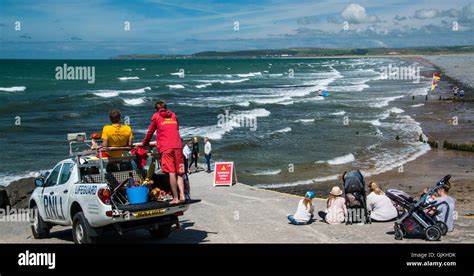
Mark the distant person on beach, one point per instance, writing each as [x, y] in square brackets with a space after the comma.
[304, 212]
[116, 134]
[455, 92]
[207, 153]
[380, 206]
[445, 206]
[187, 155]
[461, 94]
[168, 142]
[336, 210]
[194, 154]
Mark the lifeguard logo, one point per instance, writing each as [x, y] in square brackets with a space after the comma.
[169, 121]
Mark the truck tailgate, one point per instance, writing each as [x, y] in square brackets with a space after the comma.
[153, 205]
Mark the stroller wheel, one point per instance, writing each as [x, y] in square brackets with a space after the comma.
[432, 233]
[400, 232]
[443, 227]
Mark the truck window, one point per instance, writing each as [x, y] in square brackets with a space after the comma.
[66, 173]
[53, 176]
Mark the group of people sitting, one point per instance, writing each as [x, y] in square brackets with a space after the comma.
[379, 207]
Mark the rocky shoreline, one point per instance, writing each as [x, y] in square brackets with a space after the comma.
[17, 194]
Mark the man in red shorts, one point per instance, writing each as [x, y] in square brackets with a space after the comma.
[168, 141]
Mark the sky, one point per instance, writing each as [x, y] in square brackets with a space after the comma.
[102, 28]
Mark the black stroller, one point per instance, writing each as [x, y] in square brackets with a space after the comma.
[414, 220]
[356, 199]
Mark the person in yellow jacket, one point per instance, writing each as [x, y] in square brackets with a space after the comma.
[116, 134]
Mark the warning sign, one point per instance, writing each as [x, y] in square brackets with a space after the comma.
[224, 174]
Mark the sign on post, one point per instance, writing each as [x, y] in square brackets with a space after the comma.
[224, 174]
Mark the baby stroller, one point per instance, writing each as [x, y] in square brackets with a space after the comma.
[414, 220]
[356, 199]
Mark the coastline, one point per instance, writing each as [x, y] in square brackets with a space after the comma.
[434, 116]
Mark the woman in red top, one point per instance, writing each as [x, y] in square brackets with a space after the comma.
[168, 142]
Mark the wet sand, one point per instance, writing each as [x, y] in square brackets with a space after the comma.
[435, 114]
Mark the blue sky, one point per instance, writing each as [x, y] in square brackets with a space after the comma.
[95, 28]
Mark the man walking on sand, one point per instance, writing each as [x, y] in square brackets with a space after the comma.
[207, 153]
[168, 142]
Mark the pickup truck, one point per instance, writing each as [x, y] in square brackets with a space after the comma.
[77, 192]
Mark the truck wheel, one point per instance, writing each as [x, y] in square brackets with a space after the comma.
[80, 229]
[39, 227]
[162, 232]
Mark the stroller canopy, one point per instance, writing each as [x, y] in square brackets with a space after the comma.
[353, 182]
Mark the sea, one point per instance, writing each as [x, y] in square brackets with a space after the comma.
[265, 115]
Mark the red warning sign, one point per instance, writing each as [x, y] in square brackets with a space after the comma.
[224, 174]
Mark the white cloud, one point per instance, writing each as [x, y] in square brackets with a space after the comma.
[426, 13]
[355, 13]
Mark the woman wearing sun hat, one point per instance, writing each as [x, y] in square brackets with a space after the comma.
[304, 213]
[336, 207]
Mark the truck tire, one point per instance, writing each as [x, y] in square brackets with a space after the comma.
[162, 232]
[39, 227]
[80, 229]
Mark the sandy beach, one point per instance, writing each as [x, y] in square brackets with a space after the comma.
[434, 116]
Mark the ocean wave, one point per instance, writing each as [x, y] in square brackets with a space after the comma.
[133, 102]
[216, 132]
[418, 105]
[177, 74]
[385, 101]
[128, 78]
[387, 113]
[258, 112]
[322, 84]
[223, 81]
[266, 172]
[304, 121]
[252, 74]
[115, 93]
[13, 89]
[128, 70]
[375, 122]
[175, 86]
[272, 100]
[349, 88]
[396, 110]
[283, 130]
[6, 179]
[107, 94]
[203, 85]
[339, 113]
[387, 162]
[348, 158]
